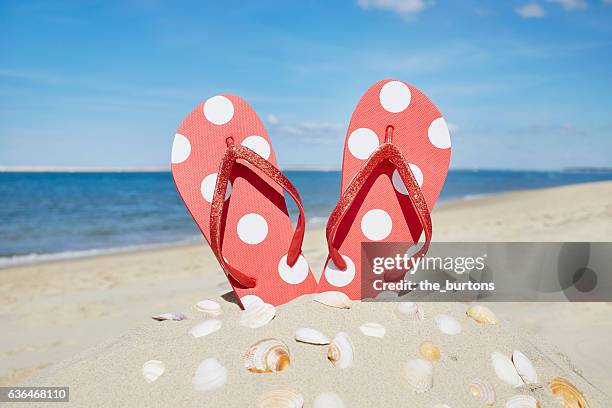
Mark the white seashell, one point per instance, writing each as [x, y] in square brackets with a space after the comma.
[340, 351]
[334, 299]
[311, 336]
[410, 311]
[447, 324]
[169, 316]
[524, 368]
[283, 398]
[257, 315]
[210, 307]
[209, 375]
[328, 400]
[419, 374]
[205, 328]
[522, 401]
[482, 314]
[373, 329]
[152, 369]
[267, 356]
[482, 391]
[505, 370]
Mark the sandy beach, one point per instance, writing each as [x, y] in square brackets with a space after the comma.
[86, 323]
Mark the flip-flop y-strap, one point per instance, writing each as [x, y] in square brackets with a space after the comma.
[232, 154]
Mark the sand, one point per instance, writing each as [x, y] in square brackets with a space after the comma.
[53, 311]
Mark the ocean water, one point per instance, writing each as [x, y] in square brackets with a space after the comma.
[59, 215]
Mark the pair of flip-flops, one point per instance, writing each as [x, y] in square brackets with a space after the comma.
[396, 156]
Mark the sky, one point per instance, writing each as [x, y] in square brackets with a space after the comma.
[523, 84]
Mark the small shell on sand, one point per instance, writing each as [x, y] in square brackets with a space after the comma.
[410, 311]
[419, 375]
[334, 299]
[505, 370]
[205, 328]
[311, 336]
[152, 370]
[567, 393]
[524, 367]
[429, 351]
[340, 351]
[267, 356]
[328, 400]
[522, 401]
[283, 398]
[169, 316]
[482, 391]
[447, 324]
[257, 315]
[210, 307]
[209, 375]
[373, 329]
[482, 314]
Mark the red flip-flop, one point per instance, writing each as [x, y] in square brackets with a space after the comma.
[225, 170]
[396, 157]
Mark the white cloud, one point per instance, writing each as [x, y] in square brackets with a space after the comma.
[531, 10]
[405, 8]
[570, 5]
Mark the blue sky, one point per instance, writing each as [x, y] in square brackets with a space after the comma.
[523, 84]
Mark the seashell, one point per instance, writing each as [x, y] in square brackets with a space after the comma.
[419, 375]
[328, 400]
[524, 367]
[311, 336]
[152, 370]
[505, 370]
[257, 315]
[334, 299]
[340, 351]
[522, 401]
[410, 311]
[267, 356]
[210, 307]
[209, 375]
[482, 315]
[482, 391]
[169, 316]
[373, 329]
[447, 324]
[283, 398]
[205, 328]
[567, 393]
[429, 351]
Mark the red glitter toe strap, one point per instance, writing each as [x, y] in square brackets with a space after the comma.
[232, 154]
[386, 151]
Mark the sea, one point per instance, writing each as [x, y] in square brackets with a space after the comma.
[48, 216]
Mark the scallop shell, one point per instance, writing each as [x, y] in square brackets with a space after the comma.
[328, 400]
[169, 316]
[340, 351]
[567, 393]
[419, 375]
[283, 398]
[373, 329]
[311, 336]
[152, 370]
[522, 401]
[505, 370]
[410, 311]
[482, 314]
[267, 356]
[482, 391]
[257, 315]
[429, 351]
[209, 375]
[334, 299]
[210, 307]
[447, 324]
[205, 328]
[524, 367]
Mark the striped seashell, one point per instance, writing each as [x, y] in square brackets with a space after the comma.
[482, 391]
[210, 307]
[283, 398]
[410, 311]
[567, 393]
[257, 315]
[522, 401]
[267, 356]
[340, 351]
[419, 375]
